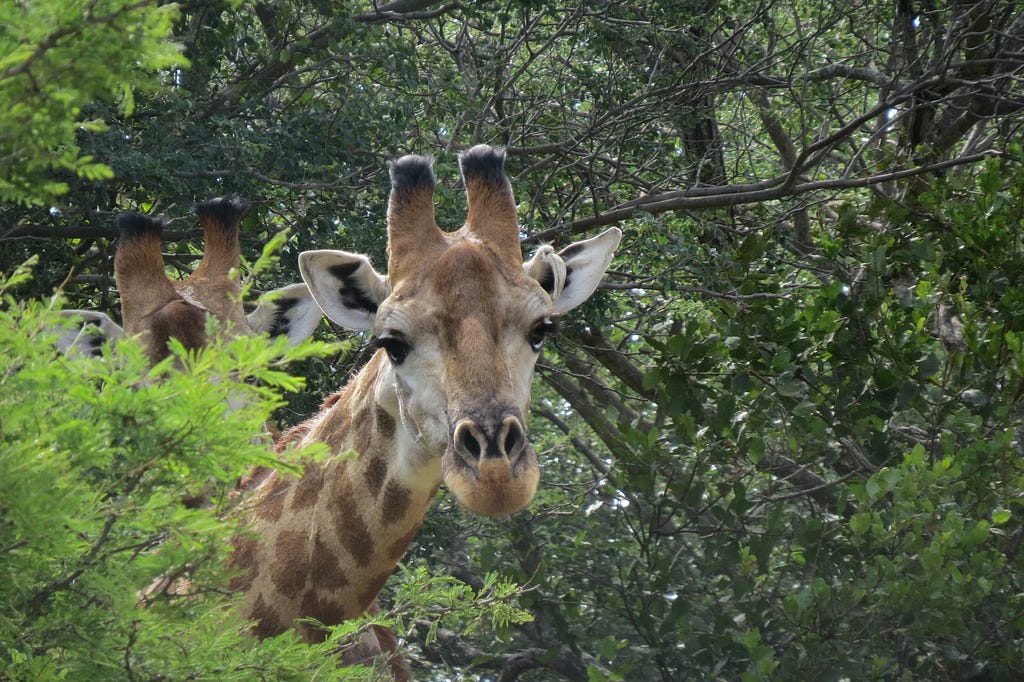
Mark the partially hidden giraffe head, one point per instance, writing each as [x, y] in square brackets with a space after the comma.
[156, 308]
[461, 320]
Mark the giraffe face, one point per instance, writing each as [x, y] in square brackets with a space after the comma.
[461, 320]
[462, 343]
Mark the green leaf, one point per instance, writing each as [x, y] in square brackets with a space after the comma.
[977, 534]
[788, 386]
[860, 522]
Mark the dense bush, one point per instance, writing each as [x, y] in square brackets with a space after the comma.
[98, 455]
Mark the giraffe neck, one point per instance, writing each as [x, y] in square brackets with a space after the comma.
[326, 542]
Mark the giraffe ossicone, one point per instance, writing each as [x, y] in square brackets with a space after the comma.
[459, 320]
[155, 308]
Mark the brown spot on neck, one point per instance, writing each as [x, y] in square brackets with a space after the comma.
[322, 608]
[373, 588]
[353, 533]
[335, 430]
[385, 424]
[395, 504]
[307, 490]
[397, 550]
[365, 427]
[267, 622]
[325, 569]
[375, 473]
[289, 570]
[243, 557]
[271, 505]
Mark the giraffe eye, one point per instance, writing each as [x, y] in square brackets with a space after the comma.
[396, 347]
[541, 330]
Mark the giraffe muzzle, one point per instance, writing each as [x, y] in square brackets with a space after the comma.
[490, 467]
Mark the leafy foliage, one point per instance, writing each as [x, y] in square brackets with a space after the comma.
[782, 443]
[55, 59]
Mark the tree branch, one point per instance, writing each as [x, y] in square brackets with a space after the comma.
[596, 345]
[404, 10]
[595, 418]
[453, 648]
[85, 232]
[806, 482]
[578, 443]
[736, 195]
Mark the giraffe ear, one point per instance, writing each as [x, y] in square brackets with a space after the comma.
[290, 311]
[571, 275]
[87, 332]
[345, 286]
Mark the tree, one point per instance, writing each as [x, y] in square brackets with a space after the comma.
[784, 441]
[58, 57]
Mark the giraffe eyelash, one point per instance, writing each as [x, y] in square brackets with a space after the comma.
[394, 345]
[543, 329]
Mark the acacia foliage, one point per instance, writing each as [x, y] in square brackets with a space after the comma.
[783, 442]
[55, 59]
[98, 455]
[107, 573]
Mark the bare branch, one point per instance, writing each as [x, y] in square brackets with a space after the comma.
[85, 232]
[401, 10]
[737, 195]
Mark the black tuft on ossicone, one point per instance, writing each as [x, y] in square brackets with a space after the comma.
[133, 225]
[226, 212]
[411, 173]
[484, 163]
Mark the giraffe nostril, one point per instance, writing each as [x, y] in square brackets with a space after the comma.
[510, 441]
[468, 440]
[514, 441]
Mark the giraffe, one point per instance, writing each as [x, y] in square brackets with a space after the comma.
[459, 322]
[155, 308]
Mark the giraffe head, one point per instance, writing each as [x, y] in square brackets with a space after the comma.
[158, 309]
[461, 320]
